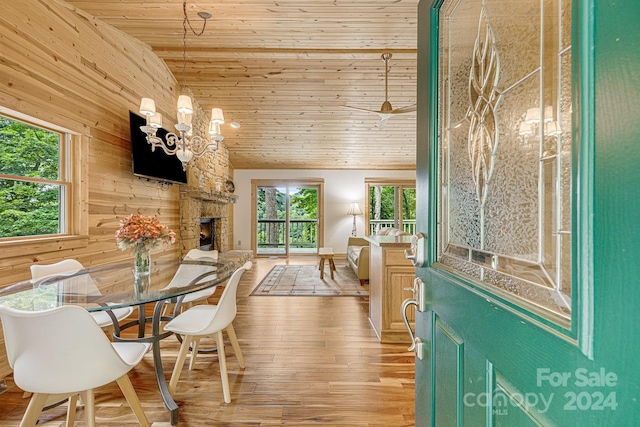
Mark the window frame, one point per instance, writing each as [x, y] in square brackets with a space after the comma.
[74, 178]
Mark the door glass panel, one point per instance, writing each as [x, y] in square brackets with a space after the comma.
[303, 220]
[272, 213]
[504, 149]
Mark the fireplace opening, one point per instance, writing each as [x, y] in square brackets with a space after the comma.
[209, 231]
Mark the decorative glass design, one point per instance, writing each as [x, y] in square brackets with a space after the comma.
[483, 96]
[504, 149]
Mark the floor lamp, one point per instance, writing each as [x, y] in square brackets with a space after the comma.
[354, 209]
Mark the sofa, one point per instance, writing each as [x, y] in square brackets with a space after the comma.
[358, 252]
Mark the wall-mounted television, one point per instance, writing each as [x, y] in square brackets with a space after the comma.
[156, 164]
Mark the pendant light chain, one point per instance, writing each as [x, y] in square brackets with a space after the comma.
[185, 21]
[184, 46]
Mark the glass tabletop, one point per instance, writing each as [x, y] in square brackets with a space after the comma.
[112, 286]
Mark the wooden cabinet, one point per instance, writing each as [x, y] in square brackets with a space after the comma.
[389, 274]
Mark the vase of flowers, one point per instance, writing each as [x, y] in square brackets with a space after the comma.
[140, 234]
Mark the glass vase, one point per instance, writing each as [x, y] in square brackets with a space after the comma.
[141, 270]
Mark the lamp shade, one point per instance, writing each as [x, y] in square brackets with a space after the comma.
[184, 118]
[354, 209]
[525, 129]
[214, 128]
[147, 106]
[184, 104]
[216, 116]
[533, 116]
[156, 120]
[552, 128]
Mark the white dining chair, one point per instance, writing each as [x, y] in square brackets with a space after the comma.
[209, 321]
[186, 273]
[82, 284]
[64, 352]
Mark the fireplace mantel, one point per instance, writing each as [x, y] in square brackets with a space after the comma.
[208, 195]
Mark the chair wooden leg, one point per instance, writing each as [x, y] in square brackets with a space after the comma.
[34, 409]
[194, 352]
[177, 369]
[235, 344]
[130, 394]
[71, 410]
[89, 408]
[223, 367]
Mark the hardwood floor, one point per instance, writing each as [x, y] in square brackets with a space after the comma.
[309, 361]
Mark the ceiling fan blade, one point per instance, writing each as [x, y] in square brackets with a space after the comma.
[360, 109]
[402, 110]
[384, 118]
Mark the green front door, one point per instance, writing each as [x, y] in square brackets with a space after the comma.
[528, 194]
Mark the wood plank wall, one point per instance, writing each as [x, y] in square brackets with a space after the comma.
[65, 67]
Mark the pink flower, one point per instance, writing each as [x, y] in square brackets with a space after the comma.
[141, 232]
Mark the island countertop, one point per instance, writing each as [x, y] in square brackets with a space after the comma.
[389, 241]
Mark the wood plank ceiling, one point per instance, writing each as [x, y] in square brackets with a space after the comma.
[284, 69]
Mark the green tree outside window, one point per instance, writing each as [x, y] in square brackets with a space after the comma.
[30, 206]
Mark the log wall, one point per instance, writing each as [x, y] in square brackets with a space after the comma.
[67, 68]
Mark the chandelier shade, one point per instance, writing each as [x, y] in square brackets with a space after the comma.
[156, 121]
[216, 116]
[184, 104]
[147, 107]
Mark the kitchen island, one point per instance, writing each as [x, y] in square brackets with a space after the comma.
[389, 274]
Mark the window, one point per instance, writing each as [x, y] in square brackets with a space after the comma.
[40, 193]
[33, 180]
[391, 204]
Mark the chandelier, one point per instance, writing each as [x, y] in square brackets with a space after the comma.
[184, 145]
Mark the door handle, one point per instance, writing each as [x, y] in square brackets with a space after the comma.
[405, 304]
[415, 253]
[417, 346]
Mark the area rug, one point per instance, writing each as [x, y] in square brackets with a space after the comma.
[304, 280]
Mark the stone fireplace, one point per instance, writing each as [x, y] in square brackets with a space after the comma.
[199, 198]
[210, 208]
[210, 232]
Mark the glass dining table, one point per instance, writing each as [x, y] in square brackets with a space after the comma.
[111, 286]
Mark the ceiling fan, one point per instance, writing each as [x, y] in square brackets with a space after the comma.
[386, 111]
